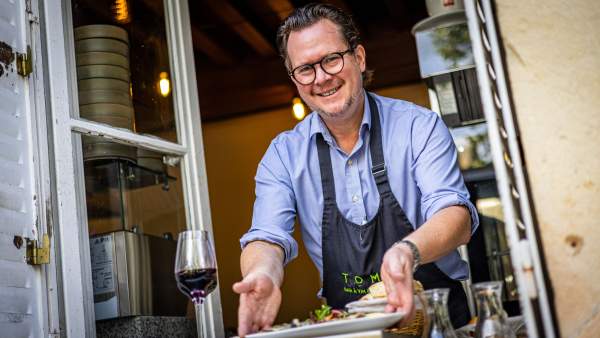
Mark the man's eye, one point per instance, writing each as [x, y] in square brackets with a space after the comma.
[306, 70]
[331, 59]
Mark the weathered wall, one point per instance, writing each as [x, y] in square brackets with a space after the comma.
[233, 148]
[553, 59]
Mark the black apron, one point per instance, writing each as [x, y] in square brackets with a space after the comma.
[352, 254]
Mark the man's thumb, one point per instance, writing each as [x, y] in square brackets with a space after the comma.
[243, 286]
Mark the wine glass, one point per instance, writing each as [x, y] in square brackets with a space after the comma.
[196, 269]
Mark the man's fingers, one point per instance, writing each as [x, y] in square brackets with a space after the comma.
[396, 267]
[244, 286]
[244, 319]
[391, 286]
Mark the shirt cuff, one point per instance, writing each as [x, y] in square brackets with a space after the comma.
[452, 200]
[286, 242]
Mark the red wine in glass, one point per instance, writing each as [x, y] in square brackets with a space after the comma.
[197, 283]
[196, 270]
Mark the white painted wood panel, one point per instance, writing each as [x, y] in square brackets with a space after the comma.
[20, 284]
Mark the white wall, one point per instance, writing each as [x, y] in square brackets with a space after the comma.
[553, 59]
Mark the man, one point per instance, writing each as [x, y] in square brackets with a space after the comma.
[373, 180]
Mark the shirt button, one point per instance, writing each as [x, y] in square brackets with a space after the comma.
[355, 198]
[349, 162]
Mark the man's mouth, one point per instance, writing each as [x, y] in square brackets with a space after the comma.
[329, 92]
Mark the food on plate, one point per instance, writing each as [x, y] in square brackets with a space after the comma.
[321, 315]
[370, 305]
[376, 290]
[376, 300]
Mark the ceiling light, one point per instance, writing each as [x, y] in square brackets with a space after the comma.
[298, 108]
[164, 85]
[121, 10]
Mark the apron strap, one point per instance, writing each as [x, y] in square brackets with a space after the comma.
[326, 172]
[378, 168]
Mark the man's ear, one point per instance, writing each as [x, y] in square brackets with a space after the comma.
[361, 57]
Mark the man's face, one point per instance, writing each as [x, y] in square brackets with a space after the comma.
[332, 96]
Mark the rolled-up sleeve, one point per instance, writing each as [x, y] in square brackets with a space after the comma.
[436, 169]
[274, 208]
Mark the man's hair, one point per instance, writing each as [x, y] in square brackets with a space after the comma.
[309, 15]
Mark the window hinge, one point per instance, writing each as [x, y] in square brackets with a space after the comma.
[38, 255]
[24, 63]
[524, 253]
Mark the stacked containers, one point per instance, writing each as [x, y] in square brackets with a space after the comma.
[103, 77]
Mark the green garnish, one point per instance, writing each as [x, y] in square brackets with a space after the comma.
[323, 312]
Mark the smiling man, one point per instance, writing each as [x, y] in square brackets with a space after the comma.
[373, 181]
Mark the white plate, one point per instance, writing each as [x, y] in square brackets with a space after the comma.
[376, 302]
[370, 302]
[381, 321]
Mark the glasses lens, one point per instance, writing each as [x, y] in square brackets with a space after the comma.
[333, 63]
[304, 74]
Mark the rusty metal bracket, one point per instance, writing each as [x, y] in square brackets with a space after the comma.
[38, 255]
[24, 63]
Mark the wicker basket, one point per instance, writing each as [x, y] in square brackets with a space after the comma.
[415, 328]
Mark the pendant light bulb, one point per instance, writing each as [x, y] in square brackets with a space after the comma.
[298, 109]
[164, 85]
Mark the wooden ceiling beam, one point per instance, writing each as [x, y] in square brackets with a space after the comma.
[251, 88]
[203, 43]
[242, 27]
[281, 8]
[243, 101]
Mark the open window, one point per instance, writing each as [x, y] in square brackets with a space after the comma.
[128, 154]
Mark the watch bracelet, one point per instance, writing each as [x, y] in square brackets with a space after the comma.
[415, 252]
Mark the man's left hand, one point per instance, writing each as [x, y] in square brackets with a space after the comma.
[397, 275]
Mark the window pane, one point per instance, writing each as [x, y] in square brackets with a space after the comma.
[145, 196]
[135, 212]
[122, 58]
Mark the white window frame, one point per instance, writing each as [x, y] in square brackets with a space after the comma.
[510, 172]
[66, 128]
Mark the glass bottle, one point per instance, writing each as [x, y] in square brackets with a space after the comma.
[491, 317]
[438, 321]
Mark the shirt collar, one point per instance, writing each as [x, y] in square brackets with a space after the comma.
[318, 126]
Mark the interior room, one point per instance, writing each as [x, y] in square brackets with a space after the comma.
[246, 99]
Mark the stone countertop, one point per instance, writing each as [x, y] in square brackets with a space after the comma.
[146, 327]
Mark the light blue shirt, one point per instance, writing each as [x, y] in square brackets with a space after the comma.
[421, 165]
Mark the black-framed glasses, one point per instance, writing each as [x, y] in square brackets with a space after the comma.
[331, 64]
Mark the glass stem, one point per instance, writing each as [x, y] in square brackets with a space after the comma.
[199, 307]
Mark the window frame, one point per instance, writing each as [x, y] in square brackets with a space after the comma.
[66, 128]
[525, 251]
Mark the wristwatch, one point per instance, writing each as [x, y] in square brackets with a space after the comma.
[415, 252]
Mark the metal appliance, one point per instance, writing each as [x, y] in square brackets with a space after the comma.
[447, 65]
[133, 275]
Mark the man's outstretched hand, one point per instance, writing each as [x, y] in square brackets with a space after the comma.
[397, 275]
[260, 298]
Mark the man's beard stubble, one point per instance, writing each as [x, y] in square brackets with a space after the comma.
[342, 113]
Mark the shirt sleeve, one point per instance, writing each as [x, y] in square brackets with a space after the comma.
[435, 167]
[274, 207]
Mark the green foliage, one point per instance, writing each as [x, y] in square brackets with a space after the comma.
[452, 42]
[323, 312]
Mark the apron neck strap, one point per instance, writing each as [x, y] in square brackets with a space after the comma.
[326, 171]
[377, 161]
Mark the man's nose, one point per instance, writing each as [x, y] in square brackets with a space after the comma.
[320, 74]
